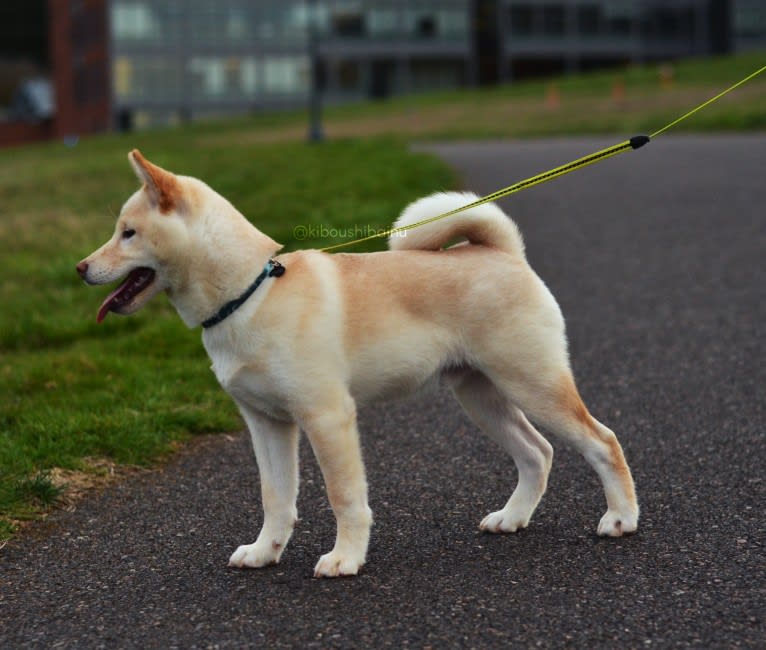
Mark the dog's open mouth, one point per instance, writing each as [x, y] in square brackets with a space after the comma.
[136, 282]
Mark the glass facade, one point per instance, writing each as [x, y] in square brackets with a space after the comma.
[749, 24]
[396, 20]
[186, 57]
[546, 36]
[206, 22]
[673, 20]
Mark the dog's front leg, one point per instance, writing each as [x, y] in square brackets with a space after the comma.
[276, 450]
[335, 440]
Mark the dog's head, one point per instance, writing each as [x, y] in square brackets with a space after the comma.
[177, 235]
[151, 230]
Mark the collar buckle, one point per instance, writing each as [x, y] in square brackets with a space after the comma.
[277, 270]
[271, 269]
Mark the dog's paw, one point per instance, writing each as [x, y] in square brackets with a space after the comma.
[254, 556]
[616, 524]
[503, 521]
[336, 564]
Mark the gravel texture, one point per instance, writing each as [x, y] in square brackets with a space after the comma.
[657, 259]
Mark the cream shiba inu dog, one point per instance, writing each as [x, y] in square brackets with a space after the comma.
[300, 342]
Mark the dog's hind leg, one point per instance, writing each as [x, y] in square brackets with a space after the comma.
[334, 438]
[276, 450]
[496, 415]
[552, 400]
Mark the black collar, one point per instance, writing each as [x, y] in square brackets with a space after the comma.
[272, 269]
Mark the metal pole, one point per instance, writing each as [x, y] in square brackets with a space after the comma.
[315, 133]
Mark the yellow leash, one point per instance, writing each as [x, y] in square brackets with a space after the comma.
[709, 101]
[634, 143]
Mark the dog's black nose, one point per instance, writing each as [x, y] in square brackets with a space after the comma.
[82, 268]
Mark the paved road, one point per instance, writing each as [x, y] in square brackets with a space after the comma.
[657, 258]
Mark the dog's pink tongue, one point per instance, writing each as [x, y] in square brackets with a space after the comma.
[135, 283]
[106, 306]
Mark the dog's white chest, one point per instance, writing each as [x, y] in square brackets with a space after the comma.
[248, 383]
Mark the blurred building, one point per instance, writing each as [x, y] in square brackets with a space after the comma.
[197, 57]
[54, 69]
[748, 24]
[176, 59]
[537, 37]
[131, 63]
[542, 37]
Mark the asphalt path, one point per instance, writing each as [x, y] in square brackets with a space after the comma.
[658, 260]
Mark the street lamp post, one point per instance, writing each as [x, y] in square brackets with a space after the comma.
[315, 133]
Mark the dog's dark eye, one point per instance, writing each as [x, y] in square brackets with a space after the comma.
[127, 234]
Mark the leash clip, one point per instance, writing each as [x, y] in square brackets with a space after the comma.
[638, 141]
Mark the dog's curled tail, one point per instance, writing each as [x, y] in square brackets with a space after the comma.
[484, 225]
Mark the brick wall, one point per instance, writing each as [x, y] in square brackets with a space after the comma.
[79, 51]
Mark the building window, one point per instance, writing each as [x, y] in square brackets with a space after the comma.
[134, 21]
[553, 20]
[217, 78]
[588, 20]
[149, 78]
[348, 23]
[122, 76]
[208, 76]
[749, 23]
[670, 24]
[421, 22]
[453, 23]
[426, 26]
[285, 75]
[248, 77]
[280, 21]
[237, 27]
[396, 20]
[384, 23]
[522, 20]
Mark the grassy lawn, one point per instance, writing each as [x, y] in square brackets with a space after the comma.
[73, 393]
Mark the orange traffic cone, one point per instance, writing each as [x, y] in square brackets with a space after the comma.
[552, 97]
[618, 91]
[667, 76]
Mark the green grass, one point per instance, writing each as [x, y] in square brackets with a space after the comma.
[130, 389]
[28, 496]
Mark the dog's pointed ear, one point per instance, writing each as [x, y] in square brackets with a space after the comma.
[163, 188]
